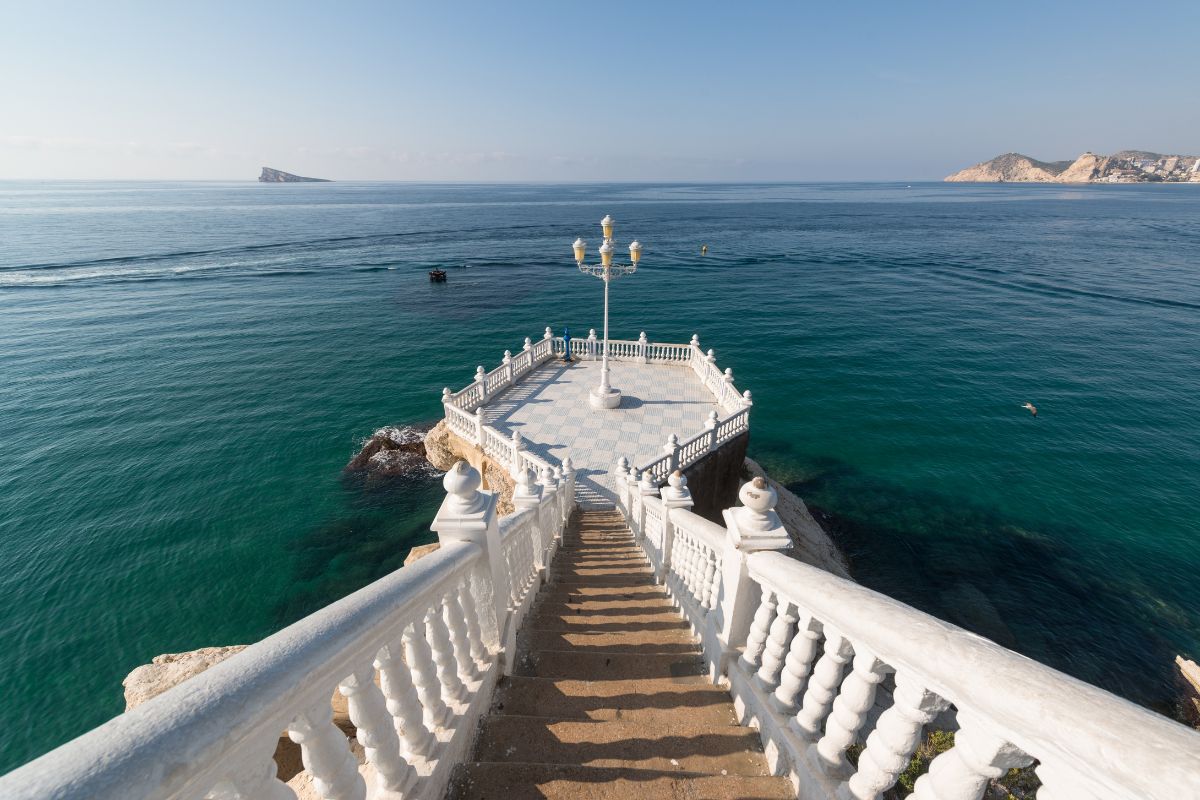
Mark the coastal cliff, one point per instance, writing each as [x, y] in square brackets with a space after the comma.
[1127, 166]
[270, 175]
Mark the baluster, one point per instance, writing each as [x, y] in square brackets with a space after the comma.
[326, 754]
[963, 771]
[710, 572]
[756, 640]
[479, 652]
[891, 745]
[849, 713]
[376, 731]
[776, 648]
[443, 655]
[424, 675]
[714, 586]
[822, 686]
[456, 623]
[403, 703]
[797, 665]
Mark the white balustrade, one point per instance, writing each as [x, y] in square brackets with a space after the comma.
[804, 653]
[416, 654]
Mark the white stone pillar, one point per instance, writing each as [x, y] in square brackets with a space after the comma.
[481, 379]
[746, 401]
[447, 395]
[569, 479]
[528, 344]
[508, 367]
[646, 488]
[675, 496]
[710, 425]
[619, 485]
[468, 514]
[518, 446]
[591, 346]
[671, 448]
[751, 527]
[526, 493]
[727, 389]
[642, 342]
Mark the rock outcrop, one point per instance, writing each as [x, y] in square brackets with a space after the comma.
[444, 448]
[270, 175]
[171, 669]
[1127, 166]
[393, 452]
[1011, 167]
[810, 543]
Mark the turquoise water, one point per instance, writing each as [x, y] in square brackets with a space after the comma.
[187, 368]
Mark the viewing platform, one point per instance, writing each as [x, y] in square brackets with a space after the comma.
[676, 407]
[604, 641]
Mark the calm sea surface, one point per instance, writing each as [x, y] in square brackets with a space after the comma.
[186, 368]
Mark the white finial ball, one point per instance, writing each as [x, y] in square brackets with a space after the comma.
[462, 480]
[757, 496]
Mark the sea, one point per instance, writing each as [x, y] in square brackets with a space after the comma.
[187, 368]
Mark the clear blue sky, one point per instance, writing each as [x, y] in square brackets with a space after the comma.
[587, 91]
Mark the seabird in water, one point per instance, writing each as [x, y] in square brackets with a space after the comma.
[1032, 408]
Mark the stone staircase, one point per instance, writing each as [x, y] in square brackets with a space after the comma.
[609, 697]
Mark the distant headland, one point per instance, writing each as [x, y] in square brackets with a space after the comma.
[1127, 166]
[270, 175]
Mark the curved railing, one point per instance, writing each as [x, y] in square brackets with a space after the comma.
[843, 682]
[416, 654]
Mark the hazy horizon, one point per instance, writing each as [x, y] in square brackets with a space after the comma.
[542, 93]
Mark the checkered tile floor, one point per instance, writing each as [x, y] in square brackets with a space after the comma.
[550, 408]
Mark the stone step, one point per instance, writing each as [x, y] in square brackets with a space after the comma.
[644, 617]
[667, 745]
[692, 698]
[589, 640]
[580, 666]
[508, 781]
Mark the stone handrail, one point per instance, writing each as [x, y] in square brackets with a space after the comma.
[819, 664]
[416, 653]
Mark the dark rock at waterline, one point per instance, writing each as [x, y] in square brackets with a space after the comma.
[393, 452]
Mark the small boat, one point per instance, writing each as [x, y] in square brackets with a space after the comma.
[437, 275]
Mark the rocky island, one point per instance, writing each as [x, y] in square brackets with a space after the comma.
[270, 175]
[1127, 166]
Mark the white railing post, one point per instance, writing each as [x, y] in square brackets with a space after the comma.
[468, 514]
[481, 379]
[619, 473]
[671, 448]
[646, 488]
[695, 343]
[447, 395]
[508, 367]
[711, 424]
[527, 347]
[727, 388]
[642, 348]
[746, 401]
[751, 527]
[674, 495]
[550, 515]
[518, 446]
[568, 467]
[591, 344]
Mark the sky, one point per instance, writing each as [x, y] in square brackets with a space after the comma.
[571, 91]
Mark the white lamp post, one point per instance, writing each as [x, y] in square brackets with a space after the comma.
[604, 395]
